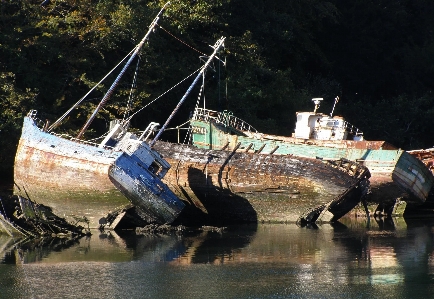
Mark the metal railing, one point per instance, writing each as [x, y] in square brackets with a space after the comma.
[352, 129]
[225, 118]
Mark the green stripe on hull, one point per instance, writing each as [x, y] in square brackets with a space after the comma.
[406, 171]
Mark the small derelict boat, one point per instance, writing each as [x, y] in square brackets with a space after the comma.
[22, 218]
[395, 173]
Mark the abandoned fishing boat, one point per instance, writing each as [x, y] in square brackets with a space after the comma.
[46, 162]
[395, 173]
[78, 178]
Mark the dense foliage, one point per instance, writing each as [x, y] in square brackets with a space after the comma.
[378, 56]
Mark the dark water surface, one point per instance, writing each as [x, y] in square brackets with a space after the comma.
[346, 260]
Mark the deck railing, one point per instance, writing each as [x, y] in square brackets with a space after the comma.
[225, 118]
[352, 129]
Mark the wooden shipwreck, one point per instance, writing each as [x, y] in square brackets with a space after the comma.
[214, 186]
[76, 180]
[235, 187]
[23, 218]
[395, 173]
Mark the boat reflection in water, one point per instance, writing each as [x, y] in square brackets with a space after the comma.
[345, 260]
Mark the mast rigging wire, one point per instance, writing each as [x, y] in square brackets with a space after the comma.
[129, 118]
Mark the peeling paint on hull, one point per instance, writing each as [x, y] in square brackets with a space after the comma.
[72, 177]
[160, 204]
[215, 186]
[65, 175]
[392, 170]
[220, 186]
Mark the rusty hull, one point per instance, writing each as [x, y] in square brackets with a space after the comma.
[229, 187]
[216, 186]
[426, 156]
[394, 173]
[67, 176]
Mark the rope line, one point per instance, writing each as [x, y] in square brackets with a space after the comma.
[191, 47]
[57, 122]
[129, 118]
[181, 41]
[189, 136]
[133, 87]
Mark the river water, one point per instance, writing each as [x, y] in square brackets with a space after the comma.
[350, 259]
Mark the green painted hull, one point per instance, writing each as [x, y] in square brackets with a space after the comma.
[394, 172]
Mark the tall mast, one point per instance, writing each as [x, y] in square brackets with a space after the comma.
[216, 47]
[118, 78]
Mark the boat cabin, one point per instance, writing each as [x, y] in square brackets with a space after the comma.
[319, 126]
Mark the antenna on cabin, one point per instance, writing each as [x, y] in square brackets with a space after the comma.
[336, 101]
[317, 102]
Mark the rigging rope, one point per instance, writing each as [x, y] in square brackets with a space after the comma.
[191, 47]
[133, 86]
[202, 88]
[129, 118]
[126, 117]
[57, 122]
[181, 41]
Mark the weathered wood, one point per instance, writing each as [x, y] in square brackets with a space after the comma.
[390, 168]
[239, 186]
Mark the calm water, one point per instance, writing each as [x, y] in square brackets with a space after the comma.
[348, 260]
